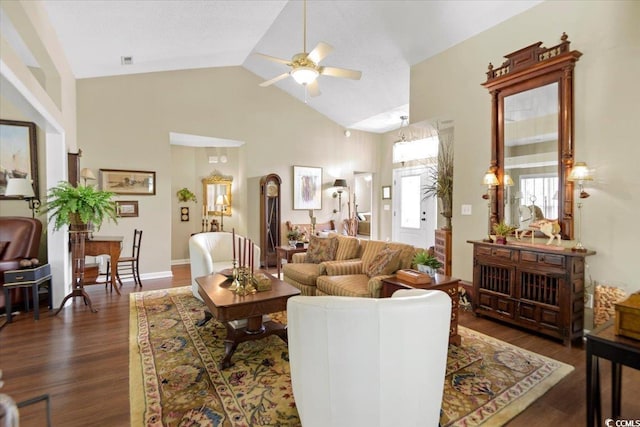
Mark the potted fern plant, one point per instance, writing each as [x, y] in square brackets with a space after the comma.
[81, 207]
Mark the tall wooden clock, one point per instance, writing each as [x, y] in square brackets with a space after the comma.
[269, 219]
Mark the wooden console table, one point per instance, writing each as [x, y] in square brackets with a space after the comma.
[439, 282]
[604, 343]
[535, 286]
[106, 245]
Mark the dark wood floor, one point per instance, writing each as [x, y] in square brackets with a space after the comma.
[82, 360]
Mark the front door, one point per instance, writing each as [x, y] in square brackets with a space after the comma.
[414, 216]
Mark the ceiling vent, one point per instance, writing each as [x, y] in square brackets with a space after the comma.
[126, 60]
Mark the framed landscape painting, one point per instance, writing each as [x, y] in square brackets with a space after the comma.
[121, 181]
[18, 154]
[307, 187]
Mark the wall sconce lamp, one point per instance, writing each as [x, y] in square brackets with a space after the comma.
[222, 202]
[580, 173]
[86, 174]
[22, 189]
[490, 180]
[340, 185]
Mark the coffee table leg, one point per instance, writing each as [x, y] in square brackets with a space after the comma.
[229, 349]
[207, 316]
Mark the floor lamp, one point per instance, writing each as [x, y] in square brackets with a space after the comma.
[580, 173]
[490, 180]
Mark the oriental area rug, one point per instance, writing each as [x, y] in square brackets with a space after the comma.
[174, 378]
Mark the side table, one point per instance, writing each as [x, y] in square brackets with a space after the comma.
[27, 278]
[286, 252]
[439, 282]
[604, 343]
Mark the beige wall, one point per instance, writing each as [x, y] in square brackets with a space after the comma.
[606, 128]
[124, 123]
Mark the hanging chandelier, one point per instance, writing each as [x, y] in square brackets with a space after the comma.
[404, 133]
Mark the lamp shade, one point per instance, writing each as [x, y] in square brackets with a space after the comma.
[304, 75]
[222, 200]
[86, 173]
[580, 172]
[490, 179]
[508, 181]
[340, 183]
[19, 187]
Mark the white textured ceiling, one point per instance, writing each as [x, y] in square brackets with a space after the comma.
[380, 38]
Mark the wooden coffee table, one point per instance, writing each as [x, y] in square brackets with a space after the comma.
[243, 315]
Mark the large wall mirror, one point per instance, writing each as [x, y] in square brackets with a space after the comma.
[532, 135]
[216, 193]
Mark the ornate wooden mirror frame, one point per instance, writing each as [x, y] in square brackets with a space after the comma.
[213, 186]
[535, 68]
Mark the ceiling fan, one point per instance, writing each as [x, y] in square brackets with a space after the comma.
[305, 67]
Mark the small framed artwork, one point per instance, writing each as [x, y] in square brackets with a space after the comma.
[127, 208]
[386, 192]
[18, 154]
[307, 187]
[184, 214]
[121, 181]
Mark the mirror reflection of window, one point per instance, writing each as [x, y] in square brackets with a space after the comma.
[531, 152]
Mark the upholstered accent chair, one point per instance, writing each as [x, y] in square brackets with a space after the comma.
[212, 252]
[369, 362]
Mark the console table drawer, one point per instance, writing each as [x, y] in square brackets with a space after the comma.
[550, 260]
[495, 252]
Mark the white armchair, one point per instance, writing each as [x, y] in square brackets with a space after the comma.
[210, 253]
[368, 361]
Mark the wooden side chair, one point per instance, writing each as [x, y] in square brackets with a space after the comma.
[129, 265]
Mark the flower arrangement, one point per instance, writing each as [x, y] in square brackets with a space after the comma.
[294, 234]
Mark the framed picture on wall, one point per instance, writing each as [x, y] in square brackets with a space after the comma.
[18, 154]
[307, 187]
[128, 208]
[121, 181]
[386, 192]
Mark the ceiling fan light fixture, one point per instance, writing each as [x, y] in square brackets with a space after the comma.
[304, 75]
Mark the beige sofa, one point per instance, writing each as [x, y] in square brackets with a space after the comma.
[350, 273]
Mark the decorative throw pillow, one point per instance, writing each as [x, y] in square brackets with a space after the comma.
[385, 262]
[321, 249]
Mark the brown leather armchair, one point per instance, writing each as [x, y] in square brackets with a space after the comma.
[19, 238]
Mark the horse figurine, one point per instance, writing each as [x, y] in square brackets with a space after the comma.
[550, 228]
[526, 218]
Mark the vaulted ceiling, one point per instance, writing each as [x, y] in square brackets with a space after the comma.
[380, 38]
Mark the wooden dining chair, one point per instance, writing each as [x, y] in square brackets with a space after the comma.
[129, 265]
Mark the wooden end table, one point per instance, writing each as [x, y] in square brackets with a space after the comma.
[439, 282]
[603, 343]
[286, 252]
[229, 308]
[27, 278]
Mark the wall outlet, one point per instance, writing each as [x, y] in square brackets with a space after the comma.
[588, 300]
[466, 210]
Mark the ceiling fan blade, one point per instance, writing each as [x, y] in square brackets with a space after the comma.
[313, 89]
[320, 52]
[274, 80]
[274, 59]
[340, 72]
